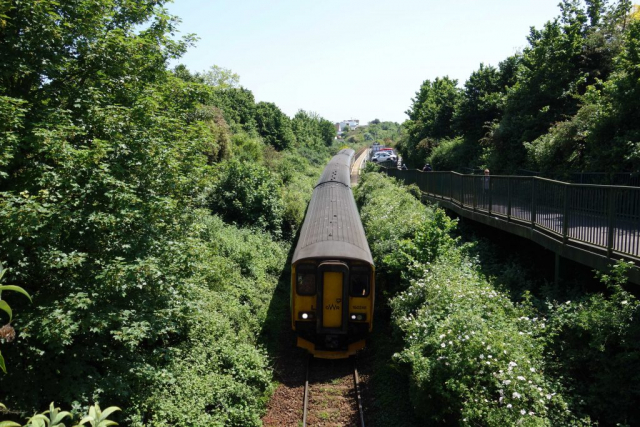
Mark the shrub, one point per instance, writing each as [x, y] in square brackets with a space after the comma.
[474, 357]
[471, 355]
[247, 194]
[450, 154]
[594, 345]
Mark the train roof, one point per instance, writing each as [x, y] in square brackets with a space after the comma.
[332, 227]
[338, 169]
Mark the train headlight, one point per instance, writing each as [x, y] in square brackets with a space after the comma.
[306, 315]
[358, 317]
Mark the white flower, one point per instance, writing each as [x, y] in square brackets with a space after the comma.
[531, 413]
[481, 356]
[509, 406]
[516, 395]
[513, 364]
[522, 411]
[506, 382]
[442, 336]
[548, 396]
[443, 345]
[521, 378]
[532, 369]
[624, 302]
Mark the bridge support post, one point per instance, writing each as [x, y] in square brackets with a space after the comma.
[533, 202]
[509, 198]
[565, 215]
[610, 220]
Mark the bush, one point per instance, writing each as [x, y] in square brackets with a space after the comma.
[471, 355]
[450, 154]
[594, 345]
[390, 215]
[247, 194]
[217, 374]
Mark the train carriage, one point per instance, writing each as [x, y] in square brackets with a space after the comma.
[333, 276]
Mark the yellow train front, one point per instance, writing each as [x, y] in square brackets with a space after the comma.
[332, 272]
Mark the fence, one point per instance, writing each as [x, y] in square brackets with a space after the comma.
[630, 179]
[604, 217]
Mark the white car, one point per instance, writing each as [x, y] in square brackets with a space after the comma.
[384, 156]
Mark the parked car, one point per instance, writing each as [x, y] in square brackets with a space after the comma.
[384, 156]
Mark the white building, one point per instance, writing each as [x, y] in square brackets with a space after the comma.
[352, 123]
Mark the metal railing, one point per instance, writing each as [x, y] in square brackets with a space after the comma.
[604, 217]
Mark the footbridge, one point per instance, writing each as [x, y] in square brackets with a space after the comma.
[594, 225]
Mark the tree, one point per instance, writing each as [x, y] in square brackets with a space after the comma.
[274, 126]
[430, 118]
[221, 78]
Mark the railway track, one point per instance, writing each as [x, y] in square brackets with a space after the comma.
[356, 393]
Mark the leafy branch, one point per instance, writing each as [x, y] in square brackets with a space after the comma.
[7, 333]
[95, 418]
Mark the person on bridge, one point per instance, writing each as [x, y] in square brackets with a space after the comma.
[404, 167]
[427, 168]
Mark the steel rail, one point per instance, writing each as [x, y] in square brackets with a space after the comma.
[305, 408]
[356, 382]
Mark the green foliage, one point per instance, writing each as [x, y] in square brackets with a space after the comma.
[247, 194]
[481, 102]
[384, 133]
[603, 135]
[311, 130]
[106, 157]
[97, 417]
[247, 148]
[390, 215]
[473, 355]
[450, 154]
[54, 417]
[470, 354]
[7, 333]
[430, 118]
[274, 126]
[221, 78]
[216, 375]
[594, 346]
[567, 102]
[430, 241]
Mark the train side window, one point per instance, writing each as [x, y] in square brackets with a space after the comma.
[359, 282]
[306, 280]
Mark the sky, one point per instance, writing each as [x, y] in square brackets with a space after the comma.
[353, 59]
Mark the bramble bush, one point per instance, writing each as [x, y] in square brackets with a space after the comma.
[472, 356]
[142, 297]
[390, 217]
[247, 194]
[594, 345]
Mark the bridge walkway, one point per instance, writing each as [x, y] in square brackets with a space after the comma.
[590, 224]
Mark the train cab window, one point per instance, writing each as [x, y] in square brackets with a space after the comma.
[306, 280]
[359, 282]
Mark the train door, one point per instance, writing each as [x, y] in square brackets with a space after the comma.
[333, 297]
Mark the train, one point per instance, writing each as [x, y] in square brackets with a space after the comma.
[332, 270]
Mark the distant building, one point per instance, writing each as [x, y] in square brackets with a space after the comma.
[343, 124]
